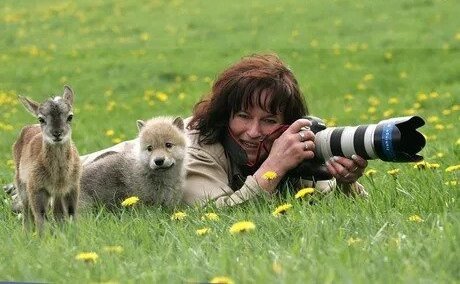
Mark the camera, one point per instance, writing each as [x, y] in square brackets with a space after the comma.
[391, 140]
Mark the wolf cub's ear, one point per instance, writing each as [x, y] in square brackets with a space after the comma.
[140, 124]
[179, 122]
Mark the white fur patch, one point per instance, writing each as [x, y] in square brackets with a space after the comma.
[57, 99]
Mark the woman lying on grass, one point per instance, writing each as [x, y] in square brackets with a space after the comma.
[248, 135]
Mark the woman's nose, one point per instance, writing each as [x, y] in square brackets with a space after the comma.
[254, 130]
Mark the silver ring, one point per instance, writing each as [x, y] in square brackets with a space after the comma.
[306, 146]
[302, 135]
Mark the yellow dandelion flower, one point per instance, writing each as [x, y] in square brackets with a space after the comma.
[87, 257]
[222, 280]
[210, 216]
[453, 168]
[351, 241]
[388, 55]
[451, 183]
[373, 101]
[111, 105]
[130, 201]
[348, 97]
[145, 36]
[182, 96]
[314, 43]
[433, 165]
[433, 95]
[10, 164]
[421, 165]
[303, 192]
[370, 172]
[241, 227]
[410, 111]
[116, 249]
[440, 154]
[179, 216]
[433, 119]
[109, 133]
[162, 97]
[455, 107]
[457, 36]
[422, 97]
[393, 172]
[116, 140]
[361, 86]
[368, 77]
[439, 126]
[282, 209]
[348, 65]
[457, 142]
[277, 267]
[372, 110]
[393, 101]
[388, 113]
[270, 175]
[415, 218]
[202, 232]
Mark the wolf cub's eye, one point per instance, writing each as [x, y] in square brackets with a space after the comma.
[149, 148]
[41, 120]
[69, 118]
[169, 145]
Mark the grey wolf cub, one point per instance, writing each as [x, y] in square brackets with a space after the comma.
[154, 172]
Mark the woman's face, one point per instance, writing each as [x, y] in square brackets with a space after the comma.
[251, 126]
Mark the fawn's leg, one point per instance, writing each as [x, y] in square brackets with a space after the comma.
[71, 200]
[38, 201]
[27, 216]
[59, 210]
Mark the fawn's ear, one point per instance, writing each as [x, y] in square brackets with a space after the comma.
[68, 95]
[140, 124]
[179, 122]
[31, 106]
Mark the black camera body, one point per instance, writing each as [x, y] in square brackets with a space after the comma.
[391, 140]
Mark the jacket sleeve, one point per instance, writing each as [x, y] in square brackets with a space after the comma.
[207, 180]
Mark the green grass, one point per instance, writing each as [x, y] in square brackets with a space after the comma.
[118, 55]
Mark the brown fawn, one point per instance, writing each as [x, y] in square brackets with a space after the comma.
[47, 162]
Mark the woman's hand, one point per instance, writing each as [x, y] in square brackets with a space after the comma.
[292, 147]
[346, 170]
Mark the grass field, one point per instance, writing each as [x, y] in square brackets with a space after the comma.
[358, 62]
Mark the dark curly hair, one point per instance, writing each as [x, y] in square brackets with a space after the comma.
[240, 87]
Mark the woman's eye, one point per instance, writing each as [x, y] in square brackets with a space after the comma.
[149, 148]
[271, 121]
[242, 115]
[168, 145]
[69, 118]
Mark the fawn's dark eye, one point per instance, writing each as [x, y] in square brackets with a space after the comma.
[149, 148]
[41, 120]
[69, 118]
[169, 145]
